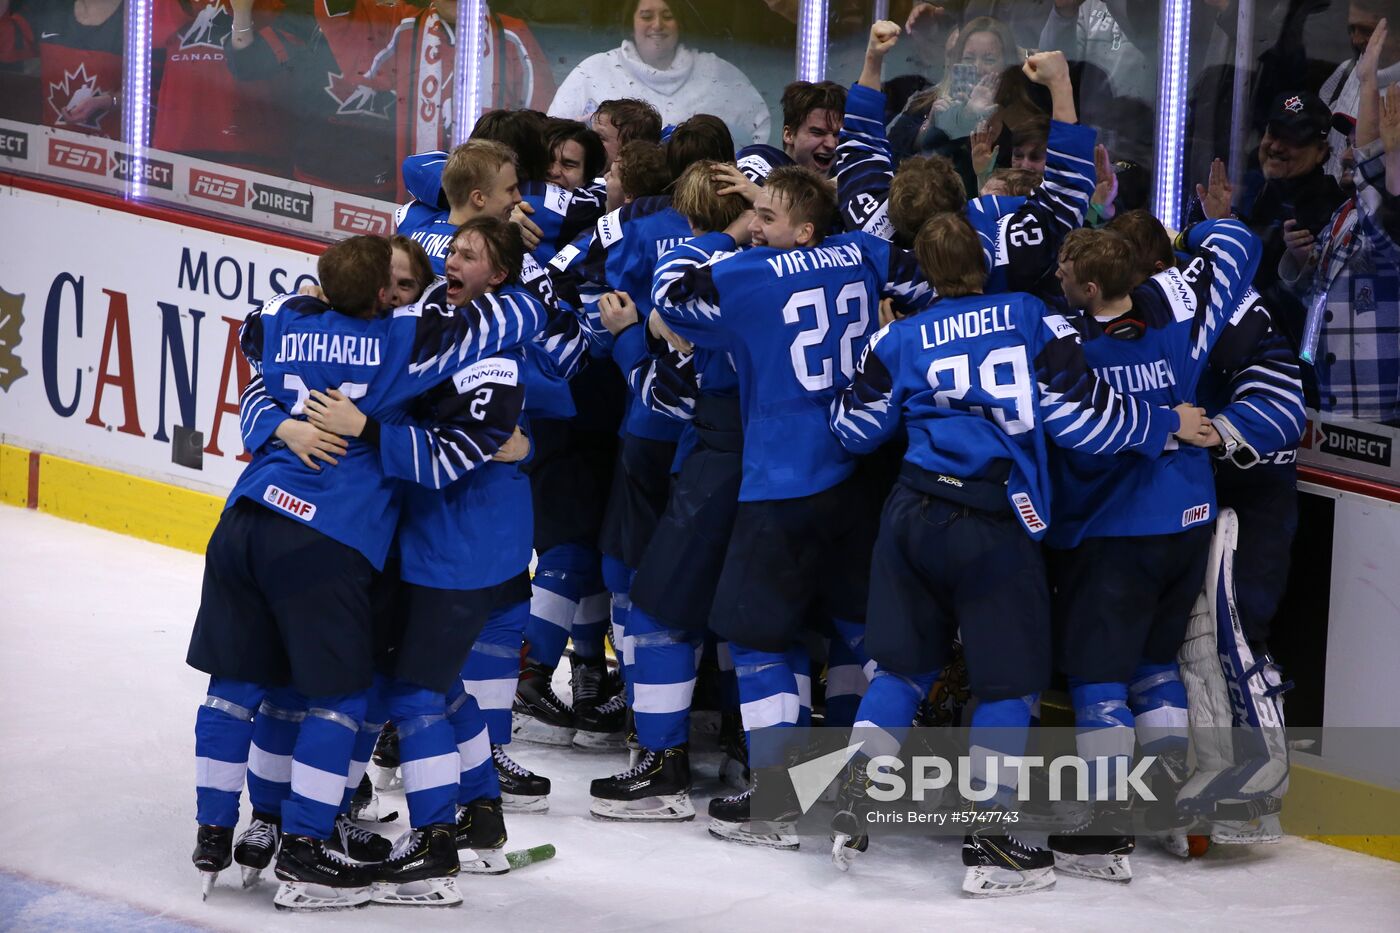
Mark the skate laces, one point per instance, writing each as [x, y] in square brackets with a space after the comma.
[647, 760]
[735, 798]
[259, 833]
[350, 832]
[334, 856]
[498, 752]
[405, 844]
[614, 704]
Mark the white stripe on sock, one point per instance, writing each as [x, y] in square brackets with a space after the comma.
[492, 694]
[770, 711]
[315, 784]
[269, 767]
[846, 680]
[427, 773]
[663, 698]
[220, 775]
[551, 607]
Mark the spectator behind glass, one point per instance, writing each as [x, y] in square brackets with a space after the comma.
[1116, 38]
[80, 62]
[1291, 189]
[576, 153]
[19, 65]
[967, 94]
[1341, 90]
[653, 65]
[1349, 276]
[619, 122]
[200, 109]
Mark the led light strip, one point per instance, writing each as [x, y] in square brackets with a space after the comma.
[471, 42]
[136, 94]
[811, 40]
[1171, 110]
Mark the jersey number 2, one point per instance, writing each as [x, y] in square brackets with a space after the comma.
[853, 304]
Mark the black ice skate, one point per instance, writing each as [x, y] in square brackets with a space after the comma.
[522, 791]
[999, 865]
[420, 870]
[600, 706]
[656, 789]
[538, 715]
[730, 819]
[848, 827]
[213, 852]
[357, 843]
[1099, 849]
[481, 837]
[734, 751]
[384, 763]
[257, 845]
[314, 877]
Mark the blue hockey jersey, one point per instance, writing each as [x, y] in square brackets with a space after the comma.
[979, 382]
[793, 322]
[1020, 237]
[621, 254]
[1183, 312]
[295, 344]
[758, 161]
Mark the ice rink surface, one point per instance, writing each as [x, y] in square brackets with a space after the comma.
[96, 751]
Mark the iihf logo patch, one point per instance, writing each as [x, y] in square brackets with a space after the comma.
[1294, 104]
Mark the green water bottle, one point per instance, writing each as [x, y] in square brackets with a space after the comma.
[522, 857]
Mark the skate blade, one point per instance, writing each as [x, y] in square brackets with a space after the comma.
[668, 808]
[529, 729]
[990, 881]
[206, 883]
[251, 876]
[766, 835]
[519, 803]
[483, 861]
[1252, 833]
[299, 895]
[844, 851]
[385, 779]
[600, 741]
[1114, 868]
[430, 892]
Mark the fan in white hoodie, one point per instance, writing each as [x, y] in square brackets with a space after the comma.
[678, 81]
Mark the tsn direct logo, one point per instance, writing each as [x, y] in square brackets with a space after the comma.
[77, 157]
[214, 187]
[355, 220]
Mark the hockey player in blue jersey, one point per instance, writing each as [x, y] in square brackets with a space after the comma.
[981, 383]
[1020, 237]
[811, 126]
[793, 313]
[1253, 392]
[674, 584]
[257, 627]
[619, 254]
[479, 178]
[1130, 533]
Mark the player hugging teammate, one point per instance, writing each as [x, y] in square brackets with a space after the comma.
[676, 384]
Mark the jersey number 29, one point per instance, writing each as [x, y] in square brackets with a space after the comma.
[1003, 375]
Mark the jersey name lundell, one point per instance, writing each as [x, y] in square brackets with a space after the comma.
[329, 348]
[966, 325]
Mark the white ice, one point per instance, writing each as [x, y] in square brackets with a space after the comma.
[96, 733]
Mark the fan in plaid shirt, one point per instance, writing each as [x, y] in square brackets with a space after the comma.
[1354, 269]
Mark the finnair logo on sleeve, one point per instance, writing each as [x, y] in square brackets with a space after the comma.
[1059, 327]
[610, 228]
[497, 369]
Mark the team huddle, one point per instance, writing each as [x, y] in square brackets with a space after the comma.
[619, 384]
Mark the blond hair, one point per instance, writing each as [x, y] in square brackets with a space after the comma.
[473, 166]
